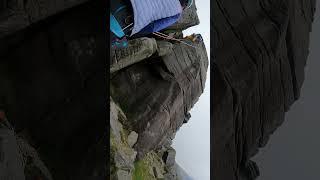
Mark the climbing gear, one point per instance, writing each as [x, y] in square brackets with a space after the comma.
[120, 43]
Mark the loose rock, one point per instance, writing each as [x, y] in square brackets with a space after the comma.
[132, 138]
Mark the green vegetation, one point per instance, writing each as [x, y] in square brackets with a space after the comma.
[141, 171]
[144, 168]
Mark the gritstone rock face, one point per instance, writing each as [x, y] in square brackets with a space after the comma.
[260, 50]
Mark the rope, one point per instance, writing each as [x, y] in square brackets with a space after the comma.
[127, 26]
[172, 38]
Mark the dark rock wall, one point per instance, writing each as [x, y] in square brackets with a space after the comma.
[260, 50]
[293, 150]
[51, 88]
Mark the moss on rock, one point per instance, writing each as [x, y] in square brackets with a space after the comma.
[144, 168]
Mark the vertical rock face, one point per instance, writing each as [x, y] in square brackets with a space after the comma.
[51, 89]
[260, 50]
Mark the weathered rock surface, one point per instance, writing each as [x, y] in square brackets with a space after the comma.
[132, 138]
[159, 92]
[260, 50]
[188, 19]
[123, 175]
[155, 83]
[138, 49]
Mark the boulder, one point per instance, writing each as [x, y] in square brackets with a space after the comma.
[169, 157]
[123, 175]
[157, 173]
[132, 138]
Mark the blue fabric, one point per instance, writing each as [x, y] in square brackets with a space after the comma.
[119, 9]
[149, 11]
[115, 27]
[159, 24]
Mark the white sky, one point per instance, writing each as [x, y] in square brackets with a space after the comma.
[192, 141]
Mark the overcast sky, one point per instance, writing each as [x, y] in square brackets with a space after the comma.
[192, 141]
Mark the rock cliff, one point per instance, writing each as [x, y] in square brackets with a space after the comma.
[260, 51]
[154, 83]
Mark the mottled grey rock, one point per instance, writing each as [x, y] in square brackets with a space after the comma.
[188, 19]
[115, 125]
[138, 50]
[123, 160]
[157, 173]
[171, 173]
[123, 155]
[169, 157]
[132, 138]
[164, 47]
[123, 175]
